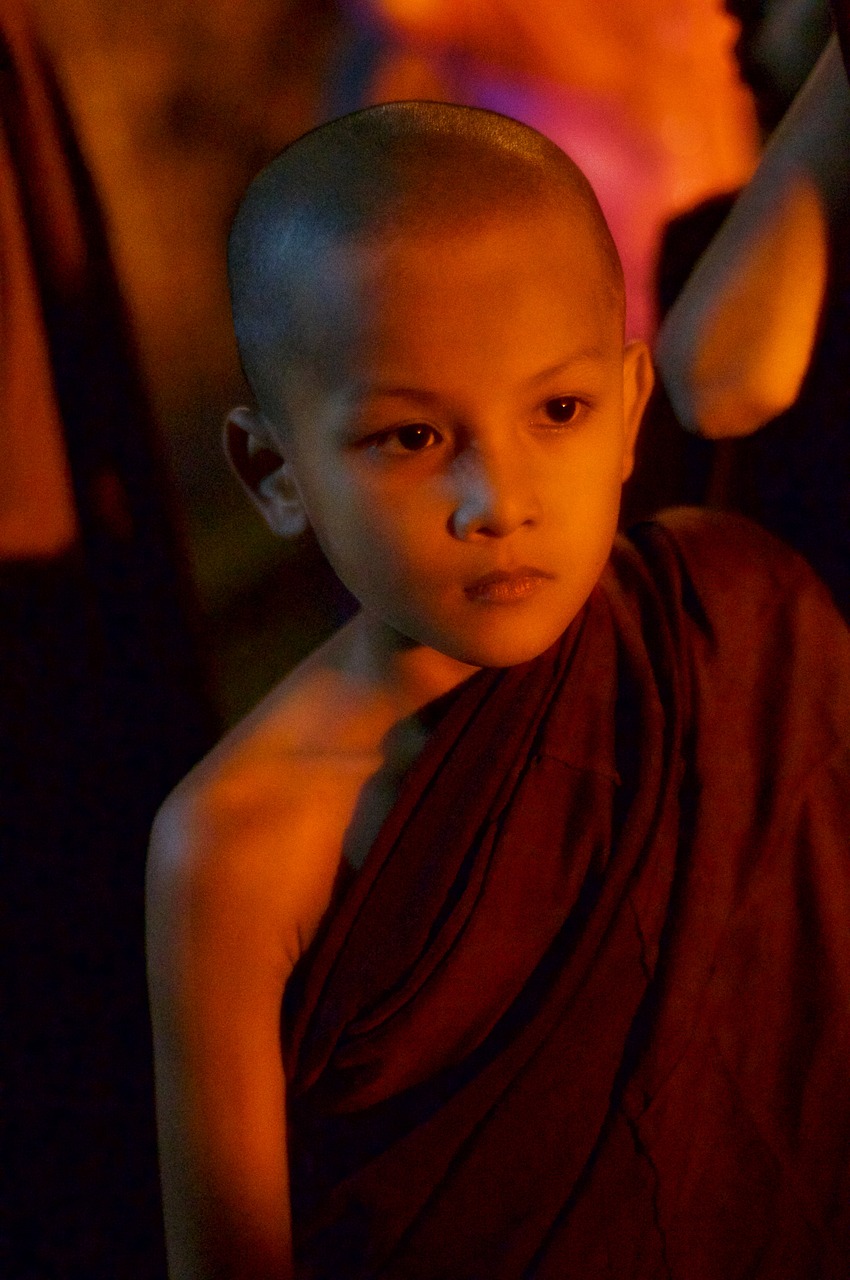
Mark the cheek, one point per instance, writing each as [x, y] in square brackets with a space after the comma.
[376, 541]
[585, 489]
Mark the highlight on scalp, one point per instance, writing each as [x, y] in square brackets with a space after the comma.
[396, 169]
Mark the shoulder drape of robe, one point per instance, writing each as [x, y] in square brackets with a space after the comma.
[585, 1011]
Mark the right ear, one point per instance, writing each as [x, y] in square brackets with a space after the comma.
[264, 472]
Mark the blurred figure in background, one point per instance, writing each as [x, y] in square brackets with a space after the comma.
[645, 97]
[758, 343]
[176, 106]
[102, 705]
[778, 45]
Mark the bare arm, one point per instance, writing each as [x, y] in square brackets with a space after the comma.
[243, 863]
[735, 347]
[218, 963]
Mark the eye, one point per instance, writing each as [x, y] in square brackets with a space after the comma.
[414, 437]
[562, 409]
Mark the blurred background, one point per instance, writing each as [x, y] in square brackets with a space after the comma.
[176, 106]
[144, 607]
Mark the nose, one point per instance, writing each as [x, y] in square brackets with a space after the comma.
[493, 497]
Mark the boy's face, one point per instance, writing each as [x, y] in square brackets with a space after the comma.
[462, 463]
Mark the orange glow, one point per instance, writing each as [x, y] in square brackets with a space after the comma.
[645, 97]
[666, 63]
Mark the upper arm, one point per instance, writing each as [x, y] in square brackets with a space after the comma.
[736, 345]
[218, 960]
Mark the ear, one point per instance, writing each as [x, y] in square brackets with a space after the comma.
[638, 381]
[265, 474]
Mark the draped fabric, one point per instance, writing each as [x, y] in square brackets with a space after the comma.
[37, 510]
[102, 707]
[585, 1010]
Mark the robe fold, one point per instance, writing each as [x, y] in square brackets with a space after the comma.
[585, 1010]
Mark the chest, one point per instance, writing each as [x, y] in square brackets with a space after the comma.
[337, 807]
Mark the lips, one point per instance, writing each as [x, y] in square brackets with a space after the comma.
[507, 586]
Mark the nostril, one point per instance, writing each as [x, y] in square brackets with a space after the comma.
[492, 498]
[492, 519]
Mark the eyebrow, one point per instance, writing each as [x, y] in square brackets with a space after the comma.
[587, 355]
[407, 393]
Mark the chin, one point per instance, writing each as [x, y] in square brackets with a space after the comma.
[501, 650]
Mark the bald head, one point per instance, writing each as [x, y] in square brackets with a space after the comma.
[401, 169]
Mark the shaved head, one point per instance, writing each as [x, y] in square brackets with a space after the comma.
[391, 171]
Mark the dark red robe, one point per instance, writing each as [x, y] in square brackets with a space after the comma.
[585, 1011]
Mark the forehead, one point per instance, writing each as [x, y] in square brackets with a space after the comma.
[535, 285]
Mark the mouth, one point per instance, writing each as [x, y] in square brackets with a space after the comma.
[507, 587]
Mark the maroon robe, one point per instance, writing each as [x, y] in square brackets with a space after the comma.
[585, 1011]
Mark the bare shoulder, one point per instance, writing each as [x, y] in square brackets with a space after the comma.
[254, 835]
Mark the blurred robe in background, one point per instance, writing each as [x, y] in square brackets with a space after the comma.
[102, 705]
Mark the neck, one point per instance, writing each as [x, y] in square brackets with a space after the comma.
[408, 675]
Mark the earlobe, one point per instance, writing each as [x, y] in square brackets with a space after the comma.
[264, 472]
[638, 381]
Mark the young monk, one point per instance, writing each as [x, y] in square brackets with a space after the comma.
[509, 935]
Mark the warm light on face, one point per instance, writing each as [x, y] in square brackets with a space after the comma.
[462, 469]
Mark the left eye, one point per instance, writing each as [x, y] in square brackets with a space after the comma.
[562, 409]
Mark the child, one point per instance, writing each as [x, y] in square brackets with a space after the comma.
[543, 857]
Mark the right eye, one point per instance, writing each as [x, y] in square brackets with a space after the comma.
[414, 437]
